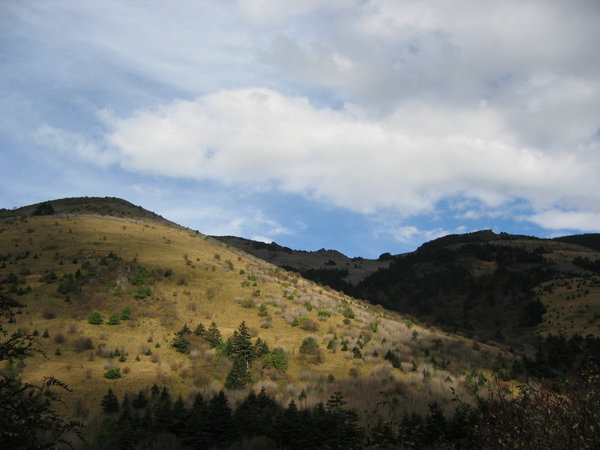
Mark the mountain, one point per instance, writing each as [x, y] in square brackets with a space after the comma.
[328, 267]
[121, 298]
[499, 287]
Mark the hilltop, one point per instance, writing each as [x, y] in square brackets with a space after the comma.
[83, 206]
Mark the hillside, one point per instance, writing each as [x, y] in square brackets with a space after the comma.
[498, 287]
[151, 281]
[328, 267]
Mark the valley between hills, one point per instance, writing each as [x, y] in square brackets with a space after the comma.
[119, 298]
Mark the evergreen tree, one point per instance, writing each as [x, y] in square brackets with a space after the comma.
[179, 417]
[196, 434]
[95, 318]
[260, 348]
[285, 426]
[114, 319]
[181, 343]
[163, 411]
[345, 432]
[435, 424]
[126, 427]
[239, 375]
[220, 421]
[213, 335]
[246, 415]
[140, 401]
[200, 330]
[241, 344]
[110, 402]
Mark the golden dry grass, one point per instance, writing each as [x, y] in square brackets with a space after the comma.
[209, 282]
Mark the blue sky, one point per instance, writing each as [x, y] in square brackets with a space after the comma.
[364, 126]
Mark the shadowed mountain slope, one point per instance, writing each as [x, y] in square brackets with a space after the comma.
[493, 286]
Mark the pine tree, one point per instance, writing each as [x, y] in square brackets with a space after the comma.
[114, 319]
[179, 416]
[200, 330]
[110, 402]
[220, 421]
[241, 344]
[260, 348]
[141, 401]
[213, 335]
[239, 375]
[196, 434]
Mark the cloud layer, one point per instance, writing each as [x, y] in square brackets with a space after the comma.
[403, 112]
[409, 160]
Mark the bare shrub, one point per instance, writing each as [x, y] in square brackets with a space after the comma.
[306, 375]
[201, 379]
[59, 338]
[247, 303]
[49, 313]
[73, 329]
[82, 344]
[104, 351]
[126, 370]
[295, 312]
[155, 358]
[110, 364]
[310, 325]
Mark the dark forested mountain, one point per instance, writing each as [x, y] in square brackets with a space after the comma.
[493, 286]
[591, 240]
[328, 267]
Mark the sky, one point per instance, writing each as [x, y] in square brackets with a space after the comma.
[362, 126]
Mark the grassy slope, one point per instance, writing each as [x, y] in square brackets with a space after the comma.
[206, 286]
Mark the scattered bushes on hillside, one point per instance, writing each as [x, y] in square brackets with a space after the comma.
[113, 373]
[95, 318]
[310, 349]
[276, 359]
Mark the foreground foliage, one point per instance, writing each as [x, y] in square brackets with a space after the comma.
[27, 415]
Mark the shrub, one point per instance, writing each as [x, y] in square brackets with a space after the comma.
[310, 348]
[142, 292]
[95, 318]
[348, 313]
[49, 314]
[126, 313]
[181, 343]
[82, 344]
[276, 359]
[59, 338]
[111, 374]
[309, 325]
[114, 319]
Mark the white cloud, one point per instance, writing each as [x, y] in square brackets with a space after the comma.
[369, 106]
[567, 220]
[421, 154]
[413, 235]
[73, 144]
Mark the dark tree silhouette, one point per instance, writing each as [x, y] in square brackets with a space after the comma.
[27, 415]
